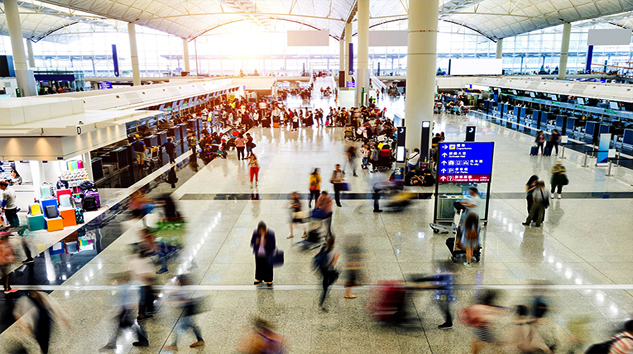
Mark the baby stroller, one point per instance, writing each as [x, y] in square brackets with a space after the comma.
[385, 160]
[349, 133]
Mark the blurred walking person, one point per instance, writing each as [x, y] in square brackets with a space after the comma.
[7, 257]
[443, 296]
[338, 181]
[189, 309]
[264, 245]
[470, 236]
[325, 262]
[126, 313]
[486, 313]
[142, 269]
[353, 267]
[530, 187]
[559, 179]
[315, 186]
[541, 202]
[296, 213]
[36, 313]
[253, 163]
[240, 144]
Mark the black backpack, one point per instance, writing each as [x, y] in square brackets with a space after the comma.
[51, 212]
[90, 203]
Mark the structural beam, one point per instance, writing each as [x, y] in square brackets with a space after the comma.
[499, 48]
[185, 54]
[421, 65]
[564, 51]
[362, 74]
[136, 72]
[29, 50]
[24, 76]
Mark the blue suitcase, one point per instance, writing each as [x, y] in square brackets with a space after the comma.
[547, 151]
[534, 151]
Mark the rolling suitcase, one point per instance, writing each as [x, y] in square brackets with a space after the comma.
[534, 151]
[91, 201]
[79, 215]
[547, 151]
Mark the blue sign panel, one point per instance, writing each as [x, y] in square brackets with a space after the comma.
[465, 162]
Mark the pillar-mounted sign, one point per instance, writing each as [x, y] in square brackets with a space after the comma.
[400, 150]
[351, 59]
[470, 133]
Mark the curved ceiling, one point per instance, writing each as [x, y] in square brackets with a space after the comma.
[191, 18]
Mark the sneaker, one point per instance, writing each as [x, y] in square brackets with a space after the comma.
[552, 196]
[170, 347]
[197, 344]
[445, 326]
[525, 223]
[162, 270]
[11, 291]
[560, 196]
[108, 347]
[378, 211]
[468, 264]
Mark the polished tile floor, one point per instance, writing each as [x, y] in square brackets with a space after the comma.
[584, 241]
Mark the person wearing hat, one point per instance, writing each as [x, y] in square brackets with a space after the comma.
[559, 178]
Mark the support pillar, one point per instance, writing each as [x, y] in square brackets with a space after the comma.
[24, 76]
[185, 54]
[362, 74]
[589, 59]
[29, 50]
[421, 64]
[341, 62]
[564, 51]
[85, 157]
[348, 41]
[499, 48]
[136, 73]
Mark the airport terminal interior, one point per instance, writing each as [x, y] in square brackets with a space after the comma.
[316, 176]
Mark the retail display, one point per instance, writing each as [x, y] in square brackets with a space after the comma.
[91, 201]
[75, 177]
[54, 224]
[46, 190]
[36, 222]
[51, 212]
[68, 215]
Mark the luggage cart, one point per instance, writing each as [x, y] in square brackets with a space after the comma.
[457, 253]
[443, 229]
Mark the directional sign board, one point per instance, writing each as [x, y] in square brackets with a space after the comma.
[465, 162]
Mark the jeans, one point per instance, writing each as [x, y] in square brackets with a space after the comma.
[147, 300]
[536, 213]
[539, 147]
[555, 146]
[365, 161]
[183, 326]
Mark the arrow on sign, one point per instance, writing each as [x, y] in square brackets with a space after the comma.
[444, 162]
[444, 155]
[443, 170]
[443, 178]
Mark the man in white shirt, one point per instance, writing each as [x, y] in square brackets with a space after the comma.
[9, 208]
[414, 159]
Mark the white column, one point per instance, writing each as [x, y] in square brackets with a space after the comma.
[362, 74]
[29, 50]
[136, 73]
[341, 60]
[85, 157]
[185, 54]
[421, 65]
[348, 41]
[195, 55]
[564, 51]
[24, 76]
[499, 48]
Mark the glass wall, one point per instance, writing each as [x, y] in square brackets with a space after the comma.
[244, 47]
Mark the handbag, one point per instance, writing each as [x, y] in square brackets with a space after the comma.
[545, 200]
[278, 258]
[564, 180]
[344, 186]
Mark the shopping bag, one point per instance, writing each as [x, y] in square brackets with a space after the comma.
[278, 258]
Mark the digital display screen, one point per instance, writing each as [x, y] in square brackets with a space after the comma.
[614, 105]
[400, 154]
[532, 95]
[580, 100]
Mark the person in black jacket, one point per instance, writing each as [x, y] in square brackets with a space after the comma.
[264, 245]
